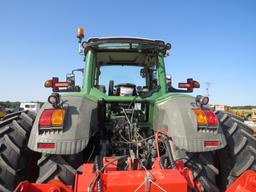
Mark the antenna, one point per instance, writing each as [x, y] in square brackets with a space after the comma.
[208, 85]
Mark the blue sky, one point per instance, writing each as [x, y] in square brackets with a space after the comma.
[213, 41]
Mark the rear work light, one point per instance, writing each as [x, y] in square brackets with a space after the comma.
[52, 118]
[206, 118]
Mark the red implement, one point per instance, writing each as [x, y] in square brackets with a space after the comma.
[245, 183]
[155, 180]
[53, 186]
[108, 178]
[134, 180]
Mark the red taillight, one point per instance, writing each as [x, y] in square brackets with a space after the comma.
[211, 118]
[46, 118]
[212, 143]
[206, 118]
[52, 118]
[46, 145]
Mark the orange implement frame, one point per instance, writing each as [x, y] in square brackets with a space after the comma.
[110, 179]
[53, 186]
[155, 180]
[131, 181]
[245, 183]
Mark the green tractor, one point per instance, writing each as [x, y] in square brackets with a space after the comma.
[124, 99]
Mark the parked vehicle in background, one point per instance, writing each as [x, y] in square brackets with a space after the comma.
[30, 106]
[223, 108]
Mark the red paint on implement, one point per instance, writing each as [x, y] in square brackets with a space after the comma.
[133, 180]
[53, 186]
[245, 183]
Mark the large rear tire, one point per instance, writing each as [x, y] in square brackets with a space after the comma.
[62, 167]
[240, 153]
[204, 170]
[14, 154]
[203, 167]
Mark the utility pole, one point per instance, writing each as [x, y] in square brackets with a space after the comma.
[208, 84]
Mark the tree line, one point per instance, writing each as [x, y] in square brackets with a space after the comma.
[15, 104]
[9, 104]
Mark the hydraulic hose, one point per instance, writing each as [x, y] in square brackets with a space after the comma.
[169, 154]
[98, 168]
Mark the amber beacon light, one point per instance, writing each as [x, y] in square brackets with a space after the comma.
[80, 33]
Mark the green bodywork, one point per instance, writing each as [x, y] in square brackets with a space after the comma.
[89, 92]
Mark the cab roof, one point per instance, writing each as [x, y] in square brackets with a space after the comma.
[125, 44]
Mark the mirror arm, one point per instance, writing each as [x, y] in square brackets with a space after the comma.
[80, 69]
[172, 89]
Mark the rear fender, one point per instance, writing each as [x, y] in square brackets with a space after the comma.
[175, 115]
[79, 125]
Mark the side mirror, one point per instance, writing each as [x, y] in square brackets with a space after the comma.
[70, 78]
[168, 78]
[190, 85]
[143, 73]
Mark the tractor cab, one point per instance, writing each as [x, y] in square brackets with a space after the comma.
[122, 67]
[131, 67]
[127, 66]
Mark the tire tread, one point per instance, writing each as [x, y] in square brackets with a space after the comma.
[58, 167]
[13, 148]
[240, 153]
